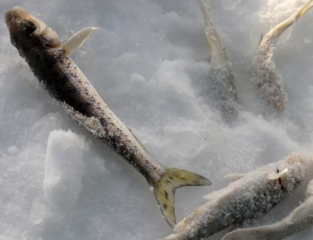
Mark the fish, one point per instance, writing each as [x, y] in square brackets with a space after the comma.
[221, 74]
[251, 195]
[299, 219]
[267, 80]
[51, 63]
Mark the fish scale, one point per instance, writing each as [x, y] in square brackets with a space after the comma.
[250, 196]
[299, 219]
[72, 90]
[50, 61]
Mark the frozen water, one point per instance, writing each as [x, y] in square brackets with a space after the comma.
[150, 60]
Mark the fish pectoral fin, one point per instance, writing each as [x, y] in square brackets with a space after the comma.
[164, 190]
[234, 176]
[277, 175]
[76, 41]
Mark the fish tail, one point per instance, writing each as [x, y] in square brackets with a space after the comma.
[206, 9]
[164, 190]
[305, 8]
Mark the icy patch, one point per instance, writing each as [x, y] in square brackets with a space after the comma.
[64, 168]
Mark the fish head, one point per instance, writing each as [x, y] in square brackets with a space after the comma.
[28, 31]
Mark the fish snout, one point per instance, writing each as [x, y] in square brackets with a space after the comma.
[15, 14]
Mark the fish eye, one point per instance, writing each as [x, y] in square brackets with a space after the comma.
[28, 26]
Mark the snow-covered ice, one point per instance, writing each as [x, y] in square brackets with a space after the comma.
[64, 168]
[149, 60]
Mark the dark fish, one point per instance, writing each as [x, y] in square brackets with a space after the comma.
[50, 61]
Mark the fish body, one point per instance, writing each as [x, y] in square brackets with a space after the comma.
[221, 75]
[299, 219]
[266, 78]
[51, 63]
[253, 194]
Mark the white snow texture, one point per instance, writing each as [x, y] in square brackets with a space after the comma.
[150, 60]
[64, 168]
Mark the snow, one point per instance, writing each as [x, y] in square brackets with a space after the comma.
[64, 168]
[150, 61]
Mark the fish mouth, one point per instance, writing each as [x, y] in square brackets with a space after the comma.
[23, 24]
[14, 14]
[18, 15]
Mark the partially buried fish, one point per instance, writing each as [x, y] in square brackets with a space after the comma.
[221, 75]
[266, 78]
[254, 194]
[300, 219]
[50, 61]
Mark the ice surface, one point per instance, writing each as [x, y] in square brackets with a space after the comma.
[149, 60]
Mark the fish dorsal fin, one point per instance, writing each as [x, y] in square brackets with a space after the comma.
[277, 175]
[140, 143]
[76, 41]
[235, 176]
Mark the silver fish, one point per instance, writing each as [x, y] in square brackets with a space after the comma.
[300, 219]
[50, 61]
[221, 76]
[266, 78]
[253, 194]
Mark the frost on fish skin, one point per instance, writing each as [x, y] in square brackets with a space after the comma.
[247, 198]
[222, 83]
[114, 137]
[92, 124]
[299, 219]
[221, 77]
[266, 79]
[51, 63]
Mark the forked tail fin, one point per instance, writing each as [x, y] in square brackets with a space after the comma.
[164, 190]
